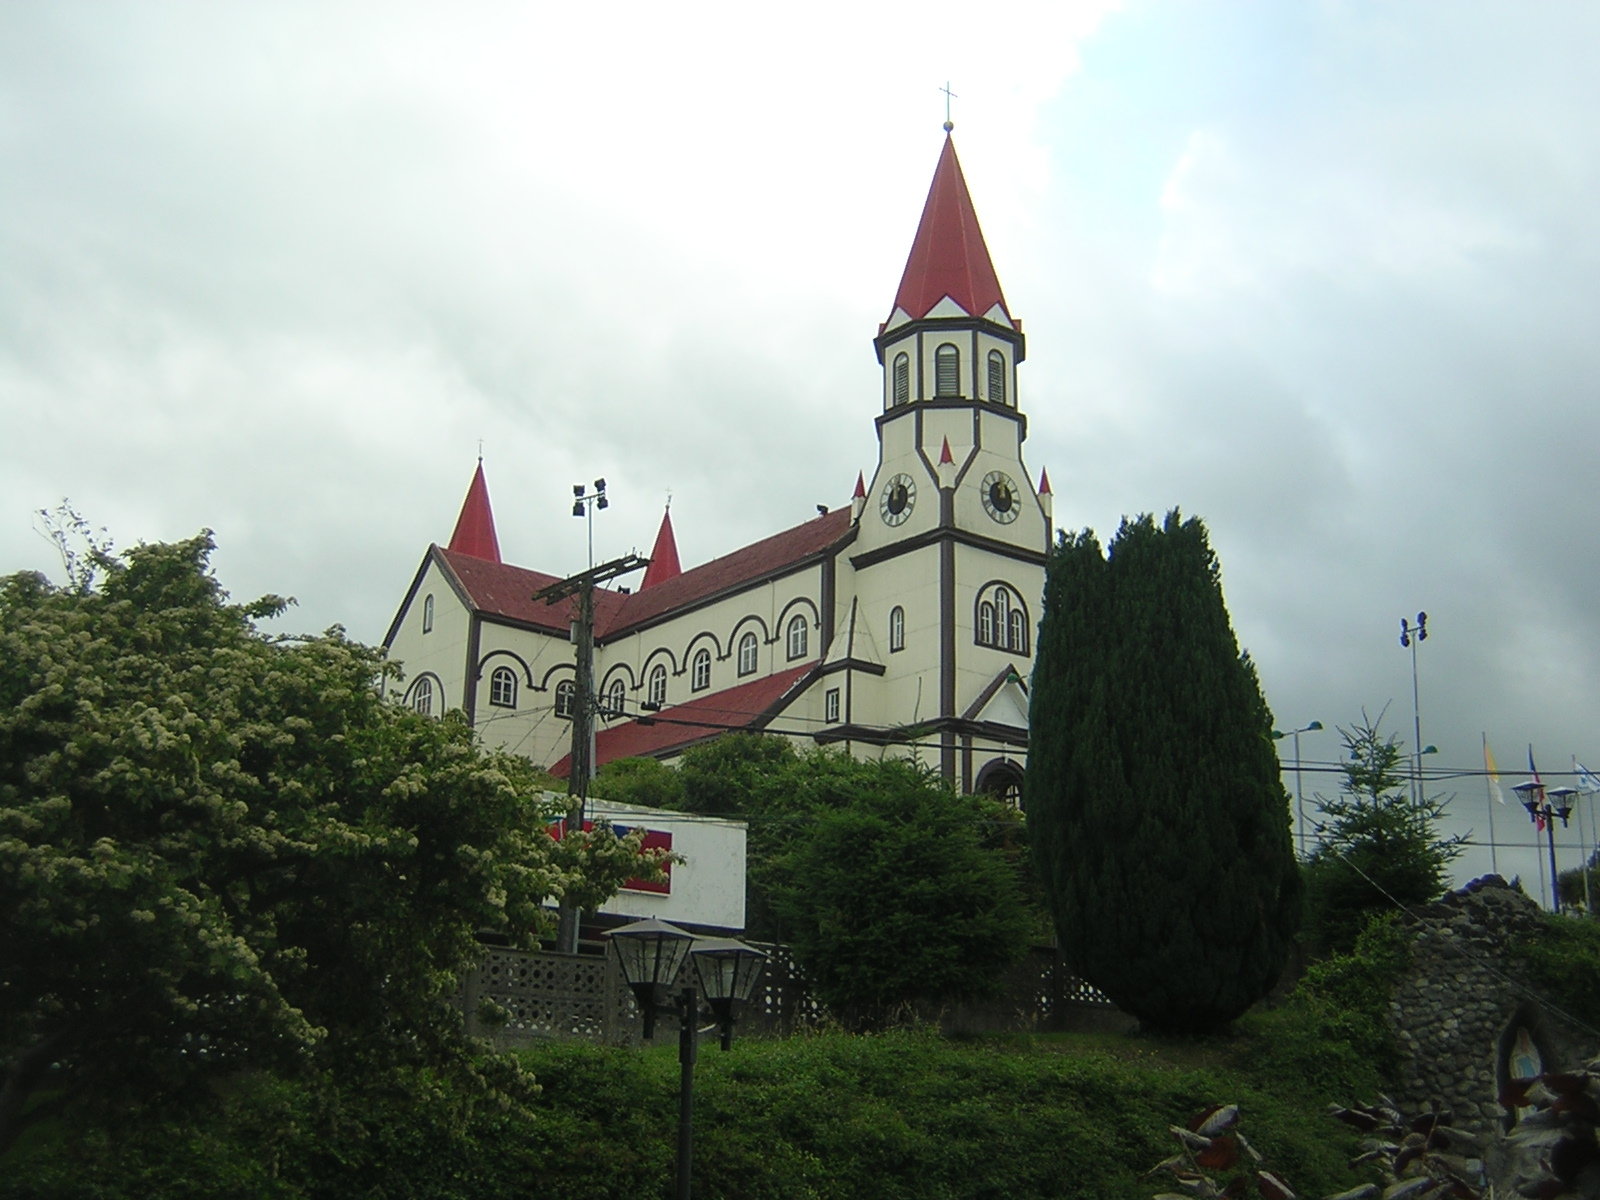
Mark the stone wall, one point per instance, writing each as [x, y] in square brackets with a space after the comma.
[1464, 996]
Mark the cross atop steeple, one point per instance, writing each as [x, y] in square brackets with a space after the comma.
[948, 96]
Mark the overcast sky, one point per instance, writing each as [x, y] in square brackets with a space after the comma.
[1322, 274]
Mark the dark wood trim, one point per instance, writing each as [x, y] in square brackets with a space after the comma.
[899, 333]
[953, 727]
[922, 388]
[871, 558]
[966, 763]
[469, 689]
[852, 664]
[830, 569]
[947, 651]
[994, 685]
[999, 410]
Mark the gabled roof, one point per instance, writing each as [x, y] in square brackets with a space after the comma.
[664, 556]
[500, 589]
[474, 534]
[747, 706]
[948, 255]
[732, 571]
[507, 591]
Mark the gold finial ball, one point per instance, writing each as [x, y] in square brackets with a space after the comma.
[949, 125]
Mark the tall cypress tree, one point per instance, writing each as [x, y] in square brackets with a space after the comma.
[1159, 822]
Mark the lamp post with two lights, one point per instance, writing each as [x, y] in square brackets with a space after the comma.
[1543, 809]
[652, 954]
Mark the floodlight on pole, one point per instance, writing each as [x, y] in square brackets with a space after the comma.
[1299, 795]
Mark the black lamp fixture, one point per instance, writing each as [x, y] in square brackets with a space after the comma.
[1543, 809]
[652, 954]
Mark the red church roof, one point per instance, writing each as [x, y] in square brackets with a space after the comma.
[474, 533]
[500, 589]
[746, 706]
[664, 558]
[948, 255]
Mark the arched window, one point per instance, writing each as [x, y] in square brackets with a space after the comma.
[1002, 616]
[427, 613]
[986, 624]
[748, 650]
[422, 695]
[503, 687]
[997, 377]
[700, 670]
[1019, 631]
[1002, 620]
[617, 698]
[566, 699]
[1002, 779]
[897, 629]
[902, 378]
[657, 691]
[797, 637]
[947, 371]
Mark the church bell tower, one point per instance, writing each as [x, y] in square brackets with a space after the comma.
[952, 535]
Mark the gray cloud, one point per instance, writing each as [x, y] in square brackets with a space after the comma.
[1324, 275]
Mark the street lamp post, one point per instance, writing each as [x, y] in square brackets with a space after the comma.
[652, 954]
[1299, 795]
[1411, 637]
[1543, 809]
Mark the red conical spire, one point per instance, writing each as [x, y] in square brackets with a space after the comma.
[1044, 482]
[664, 556]
[861, 486]
[948, 256]
[945, 457]
[474, 533]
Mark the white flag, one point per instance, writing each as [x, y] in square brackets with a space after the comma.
[1588, 781]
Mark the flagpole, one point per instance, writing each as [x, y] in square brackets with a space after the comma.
[1583, 841]
[1488, 791]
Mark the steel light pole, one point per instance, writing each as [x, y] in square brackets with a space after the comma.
[1411, 637]
[1543, 809]
[1299, 794]
[652, 954]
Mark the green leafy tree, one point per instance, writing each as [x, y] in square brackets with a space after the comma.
[221, 850]
[888, 893]
[1377, 844]
[1159, 824]
[644, 781]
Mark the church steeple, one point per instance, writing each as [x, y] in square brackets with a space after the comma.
[949, 260]
[474, 534]
[663, 556]
[950, 336]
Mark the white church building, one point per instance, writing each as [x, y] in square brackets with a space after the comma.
[903, 620]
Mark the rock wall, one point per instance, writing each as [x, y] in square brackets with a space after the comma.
[1459, 1006]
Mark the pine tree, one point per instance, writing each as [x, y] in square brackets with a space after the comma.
[1159, 823]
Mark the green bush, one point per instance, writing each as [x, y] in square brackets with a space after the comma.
[1564, 963]
[893, 1117]
[1330, 1038]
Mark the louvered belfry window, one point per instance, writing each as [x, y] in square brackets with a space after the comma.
[947, 371]
[997, 377]
[902, 379]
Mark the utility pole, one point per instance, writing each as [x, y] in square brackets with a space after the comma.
[584, 703]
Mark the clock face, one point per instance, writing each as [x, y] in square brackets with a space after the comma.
[1000, 497]
[898, 499]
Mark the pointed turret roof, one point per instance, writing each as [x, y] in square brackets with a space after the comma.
[474, 533]
[1044, 483]
[663, 556]
[948, 255]
[861, 486]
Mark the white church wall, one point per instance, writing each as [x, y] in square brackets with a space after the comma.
[441, 653]
[540, 661]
